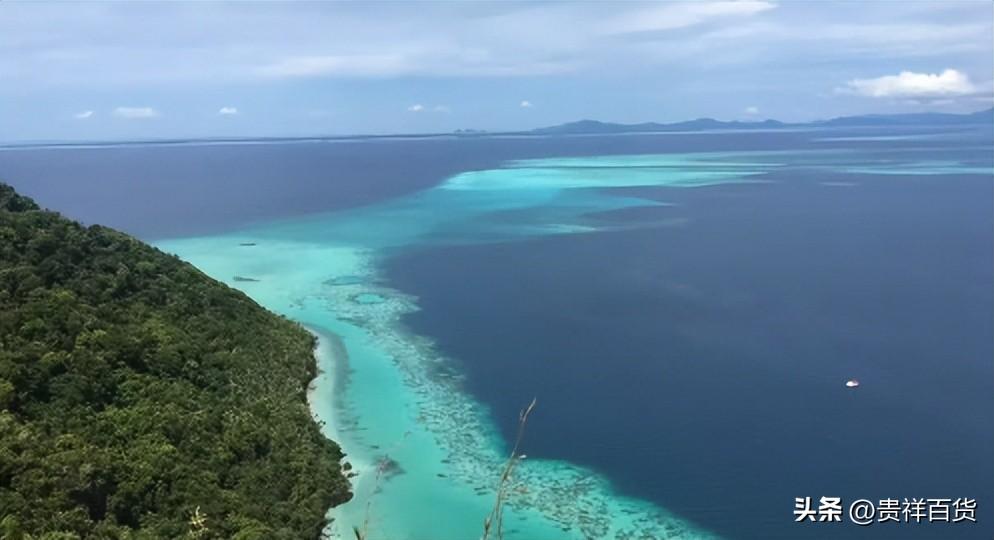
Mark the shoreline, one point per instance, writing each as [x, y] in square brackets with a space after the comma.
[324, 393]
[443, 453]
[421, 446]
[440, 451]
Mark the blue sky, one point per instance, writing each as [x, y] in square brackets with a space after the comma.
[115, 70]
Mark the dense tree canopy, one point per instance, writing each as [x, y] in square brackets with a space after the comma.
[141, 399]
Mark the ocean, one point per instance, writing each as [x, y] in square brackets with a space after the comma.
[685, 309]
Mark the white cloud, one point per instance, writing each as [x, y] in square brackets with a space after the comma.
[702, 53]
[135, 113]
[752, 110]
[228, 111]
[417, 107]
[244, 44]
[343, 65]
[240, 44]
[526, 104]
[83, 115]
[669, 16]
[909, 84]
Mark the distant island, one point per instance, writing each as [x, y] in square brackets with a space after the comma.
[581, 127]
[706, 124]
[140, 398]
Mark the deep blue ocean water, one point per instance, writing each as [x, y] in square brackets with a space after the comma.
[702, 365]
[697, 359]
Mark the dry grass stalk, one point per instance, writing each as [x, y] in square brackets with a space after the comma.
[496, 516]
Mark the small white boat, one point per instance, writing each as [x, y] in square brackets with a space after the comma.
[852, 383]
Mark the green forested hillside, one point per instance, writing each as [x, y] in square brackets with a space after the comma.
[134, 390]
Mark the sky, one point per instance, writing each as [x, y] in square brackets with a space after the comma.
[145, 70]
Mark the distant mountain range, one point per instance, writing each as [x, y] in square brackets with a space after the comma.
[582, 127]
[705, 124]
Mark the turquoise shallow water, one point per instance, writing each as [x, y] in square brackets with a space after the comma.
[386, 395]
[389, 398]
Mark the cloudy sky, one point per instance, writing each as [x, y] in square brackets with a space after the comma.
[115, 70]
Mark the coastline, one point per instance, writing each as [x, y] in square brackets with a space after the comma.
[400, 472]
[390, 401]
[322, 271]
[323, 395]
[418, 445]
[426, 455]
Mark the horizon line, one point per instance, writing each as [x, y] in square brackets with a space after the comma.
[461, 132]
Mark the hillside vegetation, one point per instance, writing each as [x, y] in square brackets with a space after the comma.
[141, 399]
